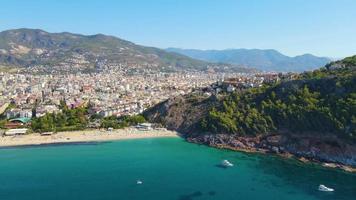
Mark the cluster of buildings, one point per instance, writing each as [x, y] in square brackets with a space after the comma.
[112, 92]
[109, 93]
[245, 81]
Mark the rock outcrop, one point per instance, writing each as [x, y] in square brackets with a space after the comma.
[323, 149]
[182, 113]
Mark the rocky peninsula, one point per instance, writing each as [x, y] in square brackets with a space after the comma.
[310, 118]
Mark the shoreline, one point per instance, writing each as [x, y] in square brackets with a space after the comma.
[305, 160]
[83, 136]
[97, 136]
[286, 155]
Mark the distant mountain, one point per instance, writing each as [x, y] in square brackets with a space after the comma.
[267, 60]
[75, 52]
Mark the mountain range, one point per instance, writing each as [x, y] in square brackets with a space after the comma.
[265, 60]
[74, 52]
[44, 51]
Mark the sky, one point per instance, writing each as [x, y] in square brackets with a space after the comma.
[293, 27]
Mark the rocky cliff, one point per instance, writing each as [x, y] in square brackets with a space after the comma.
[182, 113]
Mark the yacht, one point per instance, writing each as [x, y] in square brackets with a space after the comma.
[323, 188]
[226, 163]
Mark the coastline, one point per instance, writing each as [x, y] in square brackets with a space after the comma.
[96, 135]
[289, 155]
[286, 155]
[82, 137]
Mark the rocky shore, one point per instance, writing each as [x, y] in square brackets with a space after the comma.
[184, 113]
[329, 152]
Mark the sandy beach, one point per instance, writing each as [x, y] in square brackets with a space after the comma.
[83, 136]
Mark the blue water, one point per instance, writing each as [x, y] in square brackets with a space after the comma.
[169, 168]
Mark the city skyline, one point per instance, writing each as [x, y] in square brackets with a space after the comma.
[292, 27]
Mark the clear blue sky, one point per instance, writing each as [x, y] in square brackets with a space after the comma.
[320, 27]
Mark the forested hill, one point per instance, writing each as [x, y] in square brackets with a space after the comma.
[323, 100]
[312, 116]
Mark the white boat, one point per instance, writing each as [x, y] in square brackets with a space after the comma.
[139, 182]
[323, 188]
[226, 163]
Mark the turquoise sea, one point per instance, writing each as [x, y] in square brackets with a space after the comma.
[170, 169]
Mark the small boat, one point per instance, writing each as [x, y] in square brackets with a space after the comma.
[226, 163]
[323, 188]
[139, 182]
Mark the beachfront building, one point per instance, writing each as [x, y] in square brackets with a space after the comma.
[17, 122]
[12, 132]
[144, 126]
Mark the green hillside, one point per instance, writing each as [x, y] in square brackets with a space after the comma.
[320, 101]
